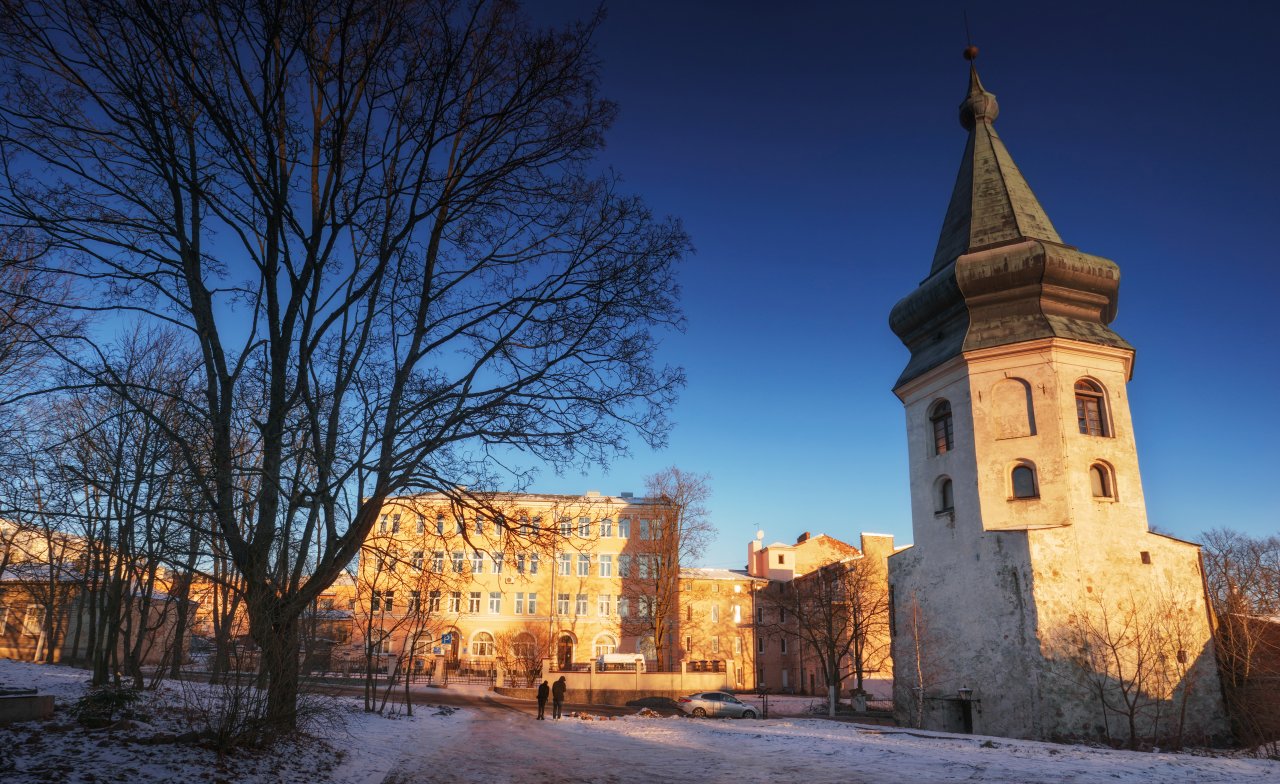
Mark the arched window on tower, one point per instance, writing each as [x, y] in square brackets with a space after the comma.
[944, 498]
[1100, 481]
[1091, 409]
[1024, 481]
[940, 416]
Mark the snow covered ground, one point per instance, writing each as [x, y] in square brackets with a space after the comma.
[497, 741]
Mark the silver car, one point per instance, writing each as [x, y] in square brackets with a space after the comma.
[715, 703]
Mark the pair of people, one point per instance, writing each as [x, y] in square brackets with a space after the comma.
[557, 698]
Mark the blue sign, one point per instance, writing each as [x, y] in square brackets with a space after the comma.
[447, 639]
[437, 650]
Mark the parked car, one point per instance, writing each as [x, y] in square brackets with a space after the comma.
[715, 703]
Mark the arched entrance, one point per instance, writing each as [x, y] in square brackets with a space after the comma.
[451, 642]
[564, 652]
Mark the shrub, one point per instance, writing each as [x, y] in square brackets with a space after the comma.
[104, 705]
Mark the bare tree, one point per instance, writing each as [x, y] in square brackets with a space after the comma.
[1242, 574]
[919, 669]
[521, 650]
[676, 531]
[377, 223]
[398, 608]
[132, 501]
[1136, 658]
[840, 612]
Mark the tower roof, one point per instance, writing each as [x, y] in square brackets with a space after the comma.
[1000, 273]
[991, 203]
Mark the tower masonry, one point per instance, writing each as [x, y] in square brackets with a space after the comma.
[1035, 602]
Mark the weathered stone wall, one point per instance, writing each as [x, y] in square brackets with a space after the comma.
[1001, 583]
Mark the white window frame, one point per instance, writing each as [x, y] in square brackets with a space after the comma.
[606, 565]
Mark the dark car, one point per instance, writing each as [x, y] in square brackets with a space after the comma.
[715, 703]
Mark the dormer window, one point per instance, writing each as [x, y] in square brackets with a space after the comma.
[943, 438]
[1090, 409]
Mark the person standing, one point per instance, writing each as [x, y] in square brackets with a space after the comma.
[543, 691]
[557, 697]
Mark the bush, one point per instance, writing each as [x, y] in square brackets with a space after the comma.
[231, 714]
[104, 705]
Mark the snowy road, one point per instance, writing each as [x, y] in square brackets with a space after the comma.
[460, 735]
[496, 743]
[499, 743]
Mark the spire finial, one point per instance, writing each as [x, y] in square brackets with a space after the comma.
[978, 105]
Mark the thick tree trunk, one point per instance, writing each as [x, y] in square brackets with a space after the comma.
[275, 630]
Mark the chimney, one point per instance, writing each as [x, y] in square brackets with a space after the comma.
[802, 538]
[753, 555]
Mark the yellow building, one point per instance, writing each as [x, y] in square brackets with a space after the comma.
[507, 580]
[717, 625]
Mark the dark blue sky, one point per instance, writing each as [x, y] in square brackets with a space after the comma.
[810, 149]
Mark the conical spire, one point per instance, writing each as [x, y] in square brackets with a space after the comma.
[991, 203]
[1001, 274]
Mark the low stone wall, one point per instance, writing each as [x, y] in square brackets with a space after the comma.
[26, 707]
[620, 688]
[616, 697]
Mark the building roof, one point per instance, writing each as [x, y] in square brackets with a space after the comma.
[1001, 274]
[703, 573]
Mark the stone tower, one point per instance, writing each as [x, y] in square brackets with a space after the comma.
[1031, 548]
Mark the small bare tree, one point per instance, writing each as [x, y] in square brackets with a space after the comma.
[676, 531]
[840, 611]
[521, 649]
[1243, 578]
[1135, 657]
[919, 671]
